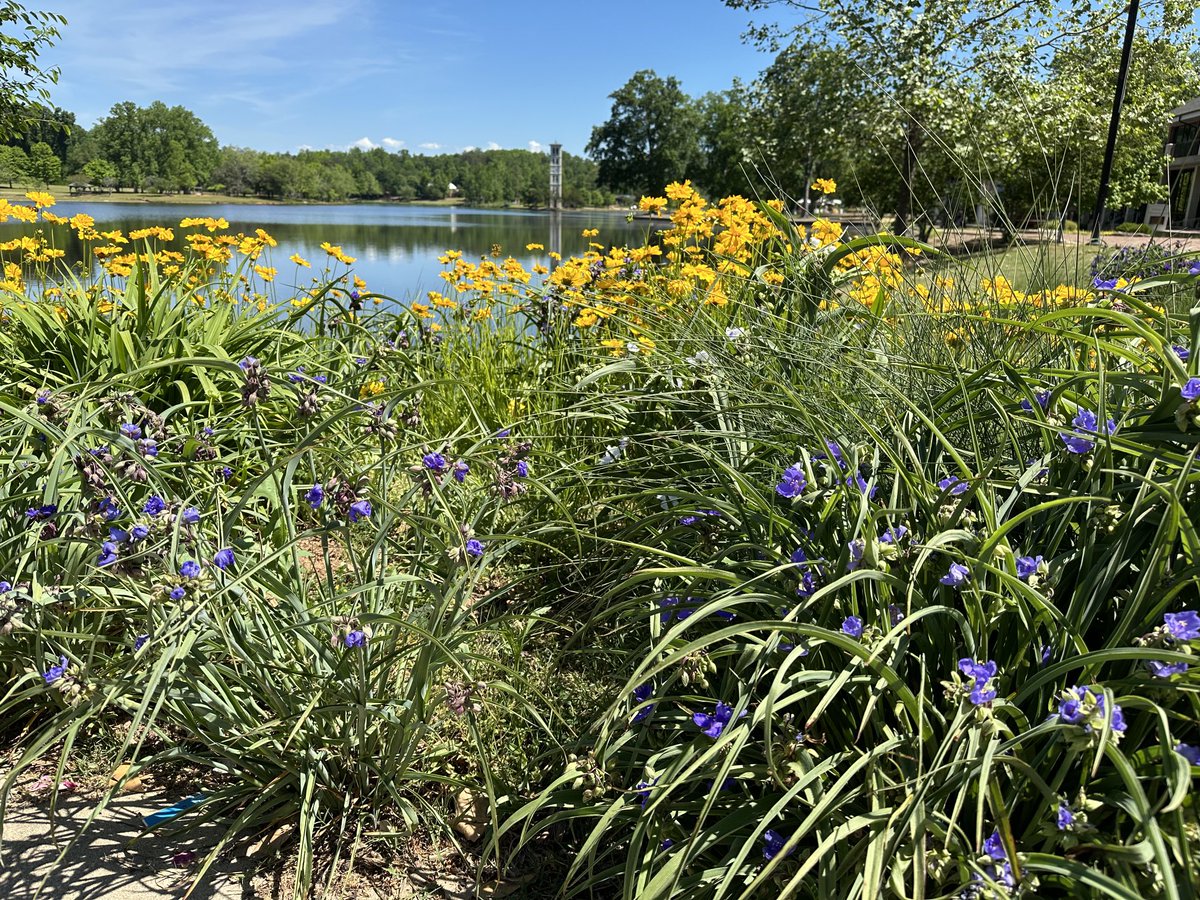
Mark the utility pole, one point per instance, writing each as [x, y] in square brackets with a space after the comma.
[1115, 123]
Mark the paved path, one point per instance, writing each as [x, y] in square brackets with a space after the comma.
[101, 865]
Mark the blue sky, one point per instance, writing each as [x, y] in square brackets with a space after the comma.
[427, 75]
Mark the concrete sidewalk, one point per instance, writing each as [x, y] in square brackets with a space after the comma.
[102, 864]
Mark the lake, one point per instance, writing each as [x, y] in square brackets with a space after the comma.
[396, 246]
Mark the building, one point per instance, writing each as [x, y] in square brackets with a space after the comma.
[1182, 210]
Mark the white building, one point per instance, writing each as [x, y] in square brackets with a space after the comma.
[1182, 210]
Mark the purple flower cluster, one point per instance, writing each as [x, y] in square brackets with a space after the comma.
[981, 674]
[793, 483]
[1081, 440]
[714, 724]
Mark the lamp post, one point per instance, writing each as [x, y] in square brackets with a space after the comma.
[1115, 122]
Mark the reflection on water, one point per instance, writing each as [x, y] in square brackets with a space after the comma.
[396, 246]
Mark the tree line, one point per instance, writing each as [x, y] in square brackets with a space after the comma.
[170, 150]
[920, 111]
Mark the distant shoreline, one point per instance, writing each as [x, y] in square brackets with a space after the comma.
[62, 195]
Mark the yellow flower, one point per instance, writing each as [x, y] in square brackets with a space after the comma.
[359, 284]
[421, 310]
[300, 260]
[590, 232]
[266, 273]
[165, 234]
[824, 185]
[652, 205]
[614, 346]
[336, 252]
[24, 213]
[82, 221]
[532, 247]
[41, 199]
[371, 389]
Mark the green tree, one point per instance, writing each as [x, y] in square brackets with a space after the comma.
[101, 172]
[14, 164]
[729, 162]
[24, 34]
[44, 166]
[651, 137]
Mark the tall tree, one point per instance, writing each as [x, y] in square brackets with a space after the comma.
[24, 34]
[651, 136]
[44, 166]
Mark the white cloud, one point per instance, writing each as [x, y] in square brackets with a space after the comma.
[468, 148]
[432, 145]
[536, 147]
[492, 145]
[364, 143]
[303, 147]
[392, 143]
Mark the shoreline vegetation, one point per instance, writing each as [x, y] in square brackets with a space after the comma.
[62, 194]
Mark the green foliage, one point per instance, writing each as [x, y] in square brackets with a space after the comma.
[650, 138]
[24, 34]
[43, 166]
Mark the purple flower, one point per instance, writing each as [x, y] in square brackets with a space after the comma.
[1182, 352]
[190, 516]
[1043, 400]
[190, 569]
[1027, 566]
[108, 554]
[856, 480]
[835, 452]
[1191, 390]
[460, 471]
[1166, 670]
[954, 485]
[1045, 655]
[177, 593]
[667, 844]
[714, 724]
[224, 558]
[131, 431]
[1086, 706]
[359, 509]
[42, 513]
[856, 548]
[793, 482]
[774, 843]
[315, 496]
[1085, 423]
[435, 462]
[140, 642]
[994, 847]
[1182, 626]
[1104, 284]
[138, 533]
[117, 535]
[1065, 818]
[226, 473]
[356, 639]
[956, 577]
[852, 626]
[982, 673]
[474, 548]
[895, 614]
[799, 556]
[642, 790]
[1188, 752]
[641, 694]
[154, 505]
[56, 672]
[108, 510]
[522, 469]
[503, 432]
[893, 535]
[148, 447]
[5, 587]
[207, 431]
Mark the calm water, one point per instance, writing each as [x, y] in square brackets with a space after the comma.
[396, 246]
